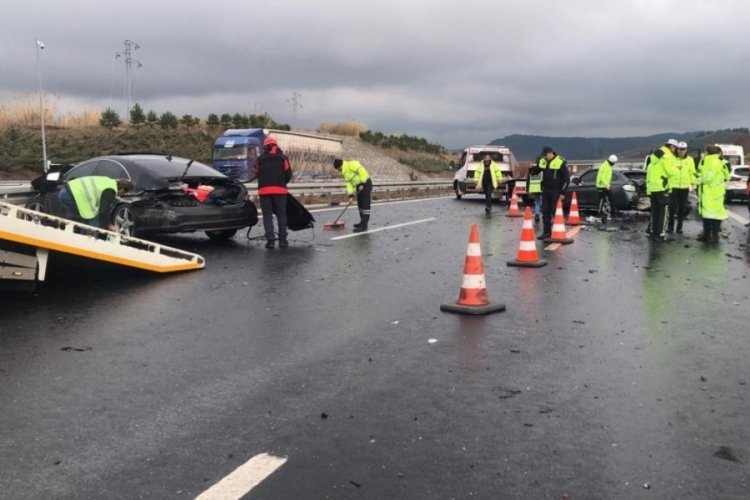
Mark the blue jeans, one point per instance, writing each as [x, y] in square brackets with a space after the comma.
[69, 203]
[537, 204]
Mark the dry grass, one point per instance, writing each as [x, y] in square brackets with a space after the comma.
[23, 111]
[348, 128]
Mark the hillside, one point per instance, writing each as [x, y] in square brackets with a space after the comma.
[21, 150]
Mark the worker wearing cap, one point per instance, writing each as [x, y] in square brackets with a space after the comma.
[274, 173]
[358, 182]
[93, 198]
[604, 187]
[660, 166]
[555, 179]
[681, 180]
[487, 175]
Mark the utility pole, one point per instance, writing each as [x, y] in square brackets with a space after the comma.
[42, 112]
[296, 106]
[127, 56]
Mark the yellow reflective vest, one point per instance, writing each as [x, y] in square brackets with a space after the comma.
[87, 193]
[354, 175]
[683, 176]
[604, 176]
[494, 172]
[659, 170]
[712, 190]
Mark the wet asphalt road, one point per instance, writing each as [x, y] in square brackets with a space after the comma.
[623, 363]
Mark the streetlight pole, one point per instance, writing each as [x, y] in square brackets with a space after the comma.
[39, 49]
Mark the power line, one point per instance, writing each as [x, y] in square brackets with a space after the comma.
[130, 62]
[296, 106]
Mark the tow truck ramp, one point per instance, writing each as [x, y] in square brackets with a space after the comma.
[27, 236]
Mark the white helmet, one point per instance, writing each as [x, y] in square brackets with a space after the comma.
[612, 158]
[682, 145]
[673, 142]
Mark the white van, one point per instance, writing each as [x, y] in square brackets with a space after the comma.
[463, 180]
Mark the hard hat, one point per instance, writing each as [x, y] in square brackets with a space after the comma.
[673, 142]
[270, 141]
[612, 158]
[682, 145]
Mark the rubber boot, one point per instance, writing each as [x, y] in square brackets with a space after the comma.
[362, 226]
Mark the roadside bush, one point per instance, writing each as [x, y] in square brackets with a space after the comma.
[110, 119]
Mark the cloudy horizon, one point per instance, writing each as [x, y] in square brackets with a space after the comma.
[460, 73]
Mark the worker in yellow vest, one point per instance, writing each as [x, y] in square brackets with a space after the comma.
[91, 199]
[711, 204]
[534, 189]
[358, 182]
[682, 178]
[487, 175]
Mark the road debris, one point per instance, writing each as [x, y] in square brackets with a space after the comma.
[76, 349]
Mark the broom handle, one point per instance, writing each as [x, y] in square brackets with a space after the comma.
[342, 212]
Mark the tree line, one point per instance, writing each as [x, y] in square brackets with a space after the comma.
[403, 142]
[168, 120]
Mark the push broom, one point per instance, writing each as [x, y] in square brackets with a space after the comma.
[336, 225]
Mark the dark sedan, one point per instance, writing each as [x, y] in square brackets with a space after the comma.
[170, 195]
[627, 187]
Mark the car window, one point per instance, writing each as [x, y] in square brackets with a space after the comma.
[589, 177]
[111, 169]
[82, 170]
[742, 171]
[634, 175]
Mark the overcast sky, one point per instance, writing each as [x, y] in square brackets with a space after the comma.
[456, 72]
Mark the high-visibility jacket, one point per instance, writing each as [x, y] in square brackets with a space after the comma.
[87, 193]
[354, 175]
[659, 170]
[712, 190]
[604, 175]
[555, 174]
[683, 176]
[535, 183]
[494, 172]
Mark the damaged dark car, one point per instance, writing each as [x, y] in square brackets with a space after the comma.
[170, 195]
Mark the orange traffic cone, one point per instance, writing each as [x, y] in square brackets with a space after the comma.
[514, 211]
[574, 218]
[473, 298]
[527, 255]
[558, 228]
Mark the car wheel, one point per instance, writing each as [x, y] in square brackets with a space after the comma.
[457, 189]
[221, 235]
[124, 221]
[37, 203]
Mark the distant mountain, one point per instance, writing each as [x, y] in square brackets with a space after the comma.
[527, 147]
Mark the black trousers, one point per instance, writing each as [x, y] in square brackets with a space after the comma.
[274, 204]
[549, 204]
[659, 209]
[711, 230]
[364, 201]
[605, 198]
[488, 195]
[677, 204]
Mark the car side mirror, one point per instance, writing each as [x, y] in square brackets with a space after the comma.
[575, 180]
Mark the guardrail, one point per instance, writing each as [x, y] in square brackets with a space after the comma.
[20, 192]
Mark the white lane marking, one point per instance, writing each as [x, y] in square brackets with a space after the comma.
[379, 204]
[244, 478]
[569, 234]
[384, 228]
[737, 217]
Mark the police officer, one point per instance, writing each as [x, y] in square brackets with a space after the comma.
[92, 199]
[534, 189]
[713, 190]
[555, 178]
[604, 187]
[487, 174]
[274, 173]
[657, 186]
[682, 179]
[357, 181]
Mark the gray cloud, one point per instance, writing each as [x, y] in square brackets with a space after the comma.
[458, 73]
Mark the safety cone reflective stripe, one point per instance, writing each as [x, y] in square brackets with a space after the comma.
[473, 297]
[514, 211]
[559, 235]
[527, 254]
[574, 218]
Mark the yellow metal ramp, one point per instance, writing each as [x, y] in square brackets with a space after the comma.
[44, 232]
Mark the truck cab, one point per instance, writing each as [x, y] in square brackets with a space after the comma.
[736, 186]
[471, 157]
[235, 153]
